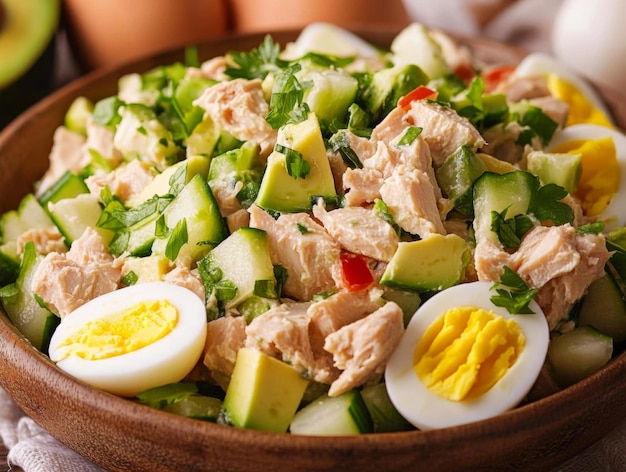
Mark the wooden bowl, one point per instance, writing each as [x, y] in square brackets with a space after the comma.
[120, 435]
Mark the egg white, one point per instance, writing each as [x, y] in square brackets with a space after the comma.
[427, 410]
[165, 361]
[538, 63]
[615, 213]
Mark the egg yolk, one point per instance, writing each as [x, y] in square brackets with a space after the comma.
[600, 177]
[122, 332]
[581, 110]
[466, 351]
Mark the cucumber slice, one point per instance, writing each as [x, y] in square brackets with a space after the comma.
[205, 226]
[456, 177]
[21, 306]
[578, 354]
[77, 115]
[69, 185]
[73, 215]
[604, 309]
[497, 192]
[333, 91]
[197, 406]
[9, 263]
[385, 417]
[245, 244]
[29, 215]
[344, 414]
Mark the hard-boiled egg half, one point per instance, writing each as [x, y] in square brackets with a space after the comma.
[132, 339]
[601, 189]
[463, 359]
[585, 104]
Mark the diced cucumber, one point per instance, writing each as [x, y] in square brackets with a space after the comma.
[21, 306]
[416, 45]
[9, 263]
[263, 392]
[432, 263]
[197, 406]
[385, 417]
[344, 414]
[512, 191]
[190, 88]
[141, 236]
[577, 354]
[249, 245]
[604, 308]
[408, 300]
[238, 165]
[77, 115]
[69, 185]
[160, 185]
[456, 178]
[205, 225]
[73, 215]
[332, 92]
[29, 215]
[391, 84]
[562, 169]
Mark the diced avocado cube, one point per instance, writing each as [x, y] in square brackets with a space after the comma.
[283, 192]
[238, 162]
[562, 169]
[245, 244]
[190, 88]
[264, 393]
[432, 263]
[147, 269]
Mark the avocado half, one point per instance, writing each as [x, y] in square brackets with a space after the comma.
[27, 48]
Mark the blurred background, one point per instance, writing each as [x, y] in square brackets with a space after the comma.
[47, 43]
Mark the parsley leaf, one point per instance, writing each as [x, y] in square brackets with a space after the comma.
[410, 135]
[547, 207]
[178, 238]
[257, 63]
[510, 231]
[539, 124]
[286, 101]
[297, 166]
[340, 143]
[513, 293]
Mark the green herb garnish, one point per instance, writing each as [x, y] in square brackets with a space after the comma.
[513, 293]
[297, 166]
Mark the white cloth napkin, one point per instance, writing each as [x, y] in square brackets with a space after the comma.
[32, 449]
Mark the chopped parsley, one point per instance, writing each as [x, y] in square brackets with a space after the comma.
[178, 238]
[297, 166]
[258, 63]
[286, 102]
[411, 134]
[513, 293]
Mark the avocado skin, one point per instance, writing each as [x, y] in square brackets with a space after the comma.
[35, 84]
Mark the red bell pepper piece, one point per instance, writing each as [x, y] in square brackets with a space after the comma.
[419, 93]
[355, 272]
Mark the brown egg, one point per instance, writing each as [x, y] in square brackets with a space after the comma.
[269, 15]
[106, 32]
